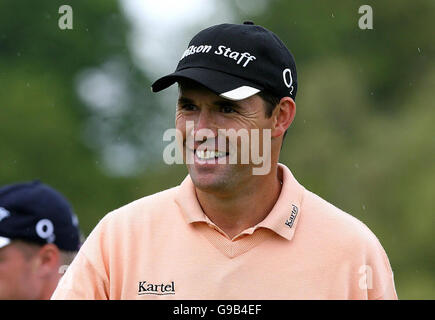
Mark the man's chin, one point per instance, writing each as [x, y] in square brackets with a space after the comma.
[210, 178]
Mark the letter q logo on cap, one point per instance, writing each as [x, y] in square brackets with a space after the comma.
[45, 229]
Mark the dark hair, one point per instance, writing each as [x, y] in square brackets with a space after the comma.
[270, 103]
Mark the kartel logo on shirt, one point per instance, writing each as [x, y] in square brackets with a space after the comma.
[161, 289]
[289, 222]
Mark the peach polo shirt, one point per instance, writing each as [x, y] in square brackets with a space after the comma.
[163, 246]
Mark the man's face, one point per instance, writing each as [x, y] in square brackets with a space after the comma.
[17, 276]
[209, 111]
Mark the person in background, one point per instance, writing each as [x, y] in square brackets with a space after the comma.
[39, 238]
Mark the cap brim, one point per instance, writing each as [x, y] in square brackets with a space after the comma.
[4, 242]
[223, 84]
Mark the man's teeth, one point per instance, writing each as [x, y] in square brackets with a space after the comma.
[209, 154]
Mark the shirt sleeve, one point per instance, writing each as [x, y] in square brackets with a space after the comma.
[87, 277]
[379, 275]
[81, 282]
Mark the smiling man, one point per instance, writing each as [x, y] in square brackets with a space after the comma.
[229, 231]
[222, 186]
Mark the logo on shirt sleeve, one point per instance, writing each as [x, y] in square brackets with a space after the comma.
[289, 222]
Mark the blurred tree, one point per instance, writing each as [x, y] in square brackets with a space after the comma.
[363, 134]
[48, 131]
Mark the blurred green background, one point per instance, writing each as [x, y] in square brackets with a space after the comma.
[77, 113]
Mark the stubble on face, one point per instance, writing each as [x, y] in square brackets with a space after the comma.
[247, 114]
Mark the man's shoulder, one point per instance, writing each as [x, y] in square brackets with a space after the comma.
[130, 224]
[330, 222]
[154, 206]
[343, 242]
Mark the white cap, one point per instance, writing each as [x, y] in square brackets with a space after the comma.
[240, 93]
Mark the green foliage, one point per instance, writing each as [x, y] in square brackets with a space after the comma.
[363, 134]
[42, 118]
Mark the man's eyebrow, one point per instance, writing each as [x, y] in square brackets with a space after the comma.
[184, 100]
[226, 103]
[219, 103]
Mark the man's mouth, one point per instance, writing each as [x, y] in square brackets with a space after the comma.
[210, 154]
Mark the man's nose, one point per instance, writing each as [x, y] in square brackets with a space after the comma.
[205, 125]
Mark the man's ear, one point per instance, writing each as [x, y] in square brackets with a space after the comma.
[47, 260]
[283, 116]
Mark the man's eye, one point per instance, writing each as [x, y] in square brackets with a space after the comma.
[227, 109]
[188, 107]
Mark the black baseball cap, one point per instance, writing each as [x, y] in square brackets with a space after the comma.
[236, 61]
[35, 212]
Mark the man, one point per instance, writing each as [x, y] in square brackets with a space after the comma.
[39, 238]
[229, 231]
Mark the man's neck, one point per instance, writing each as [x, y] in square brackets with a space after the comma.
[243, 208]
[49, 287]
